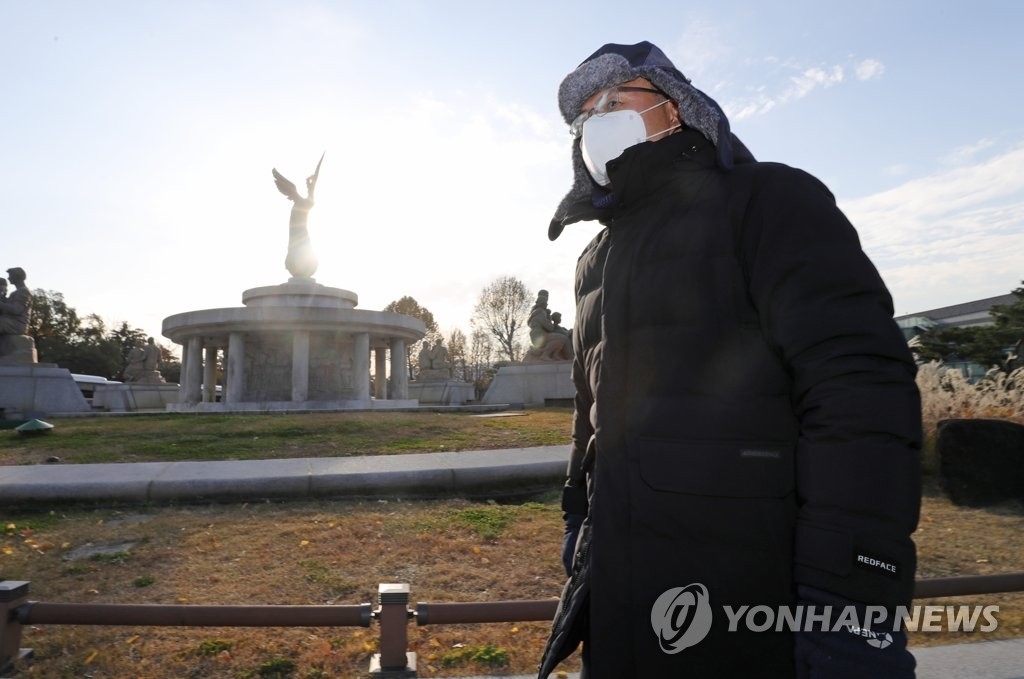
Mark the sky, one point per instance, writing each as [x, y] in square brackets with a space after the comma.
[137, 140]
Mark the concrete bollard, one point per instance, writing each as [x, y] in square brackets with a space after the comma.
[394, 660]
[13, 593]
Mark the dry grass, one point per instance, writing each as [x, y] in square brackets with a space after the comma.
[332, 552]
[953, 541]
[335, 552]
[295, 553]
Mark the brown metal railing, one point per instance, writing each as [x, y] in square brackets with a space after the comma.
[41, 613]
[392, 614]
[968, 585]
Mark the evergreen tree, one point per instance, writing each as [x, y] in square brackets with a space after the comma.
[988, 346]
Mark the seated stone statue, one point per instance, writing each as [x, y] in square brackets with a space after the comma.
[143, 364]
[556, 320]
[133, 369]
[151, 356]
[439, 357]
[434, 363]
[548, 340]
[16, 346]
[426, 356]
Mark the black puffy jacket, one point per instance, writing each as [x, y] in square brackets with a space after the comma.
[746, 413]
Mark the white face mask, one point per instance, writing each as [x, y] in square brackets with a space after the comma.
[605, 136]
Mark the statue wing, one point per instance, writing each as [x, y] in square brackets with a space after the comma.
[285, 186]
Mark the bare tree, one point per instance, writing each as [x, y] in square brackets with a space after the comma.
[502, 311]
[481, 355]
[457, 353]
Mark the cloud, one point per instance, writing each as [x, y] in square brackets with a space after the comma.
[793, 81]
[700, 51]
[811, 79]
[869, 69]
[949, 237]
[967, 153]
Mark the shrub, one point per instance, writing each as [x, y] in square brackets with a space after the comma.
[947, 394]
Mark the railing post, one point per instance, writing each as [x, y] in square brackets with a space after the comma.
[394, 660]
[13, 593]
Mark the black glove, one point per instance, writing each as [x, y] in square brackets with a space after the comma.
[572, 533]
[852, 652]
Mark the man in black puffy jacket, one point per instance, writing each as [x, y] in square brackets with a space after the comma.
[747, 426]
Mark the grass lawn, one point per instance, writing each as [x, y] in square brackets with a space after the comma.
[338, 552]
[177, 436]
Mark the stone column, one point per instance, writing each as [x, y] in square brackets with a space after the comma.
[210, 375]
[234, 379]
[183, 375]
[361, 366]
[399, 371]
[380, 373]
[224, 373]
[191, 385]
[300, 365]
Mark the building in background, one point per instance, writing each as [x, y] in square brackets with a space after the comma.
[965, 315]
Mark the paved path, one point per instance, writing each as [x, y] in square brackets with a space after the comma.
[470, 473]
[980, 660]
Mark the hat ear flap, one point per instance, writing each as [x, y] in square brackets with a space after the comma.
[582, 187]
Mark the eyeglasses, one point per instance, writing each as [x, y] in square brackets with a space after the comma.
[608, 102]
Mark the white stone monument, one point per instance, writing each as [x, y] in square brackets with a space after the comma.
[434, 384]
[28, 388]
[545, 374]
[295, 346]
[144, 387]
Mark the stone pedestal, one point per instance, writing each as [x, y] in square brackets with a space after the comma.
[532, 384]
[441, 392]
[147, 377]
[37, 391]
[17, 350]
[134, 396]
[292, 406]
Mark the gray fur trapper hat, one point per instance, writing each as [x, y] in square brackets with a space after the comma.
[615, 64]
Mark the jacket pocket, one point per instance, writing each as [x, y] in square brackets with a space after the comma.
[736, 469]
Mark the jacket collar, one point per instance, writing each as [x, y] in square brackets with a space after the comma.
[645, 168]
[640, 170]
